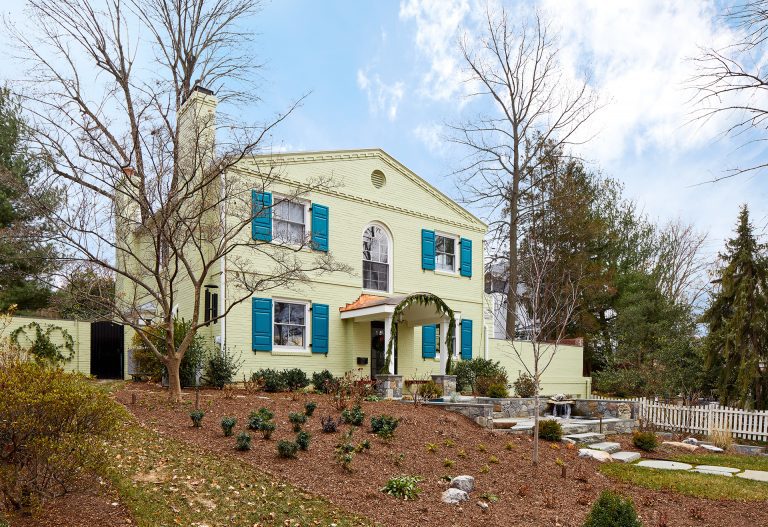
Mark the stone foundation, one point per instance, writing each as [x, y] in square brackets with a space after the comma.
[448, 382]
[389, 386]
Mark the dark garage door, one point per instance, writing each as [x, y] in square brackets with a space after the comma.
[107, 350]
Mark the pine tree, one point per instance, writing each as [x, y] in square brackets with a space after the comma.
[25, 256]
[737, 344]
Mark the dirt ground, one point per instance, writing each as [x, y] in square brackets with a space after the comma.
[500, 464]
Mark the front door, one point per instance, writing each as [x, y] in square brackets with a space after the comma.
[378, 353]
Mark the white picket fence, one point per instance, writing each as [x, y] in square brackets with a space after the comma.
[744, 424]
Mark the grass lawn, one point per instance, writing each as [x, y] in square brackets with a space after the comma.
[743, 462]
[165, 482]
[691, 483]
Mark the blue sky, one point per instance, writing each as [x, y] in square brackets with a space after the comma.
[386, 74]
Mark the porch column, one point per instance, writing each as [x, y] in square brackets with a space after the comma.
[443, 346]
[387, 338]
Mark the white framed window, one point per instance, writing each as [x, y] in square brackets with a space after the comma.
[290, 327]
[289, 221]
[377, 259]
[445, 252]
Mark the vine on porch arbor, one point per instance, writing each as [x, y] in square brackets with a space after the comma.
[423, 299]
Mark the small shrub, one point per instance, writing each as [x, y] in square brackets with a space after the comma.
[372, 398]
[612, 509]
[461, 453]
[270, 380]
[309, 408]
[448, 463]
[365, 444]
[403, 487]
[302, 440]
[646, 441]
[354, 417]
[345, 451]
[468, 372]
[485, 469]
[384, 425]
[524, 386]
[550, 430]
[489, 497]
[509, 446]
[259, 417]
[287, 449]
[481, 447]
[294, 379]
[397, 459]
[220, 368]
[432, 448]
[493, 459]
[227, 425]
[449, 443]
[197, 418]
[267, 428]
[497, 391]
[330, 425]
[243, 441]
[321, 380]
[297, 419]
[430, 390]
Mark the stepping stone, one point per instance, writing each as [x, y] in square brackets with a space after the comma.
[756, 475]
[586, 438]
[748, 449]
[711, 448]
[504, 423]
[711, 468]
[712, 472]
[597, 455]
[664, 465]
[625, 457]
[606, 447]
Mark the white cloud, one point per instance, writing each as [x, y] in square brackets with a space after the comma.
[432, 137]
[437, 29]
[382, 97]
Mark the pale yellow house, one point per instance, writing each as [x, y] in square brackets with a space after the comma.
[396, 233]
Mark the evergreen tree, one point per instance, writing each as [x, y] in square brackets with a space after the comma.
[737, 344]
[25, 256]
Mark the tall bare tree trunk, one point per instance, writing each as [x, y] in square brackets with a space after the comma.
[173, 364]
[512, 271]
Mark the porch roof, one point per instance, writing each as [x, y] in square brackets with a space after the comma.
[374, 307]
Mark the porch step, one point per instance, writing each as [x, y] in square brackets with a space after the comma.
[587, 438]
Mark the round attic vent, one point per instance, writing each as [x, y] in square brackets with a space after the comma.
[378, 179]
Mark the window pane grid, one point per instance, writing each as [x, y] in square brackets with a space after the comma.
[288, 222]
[445, 253]
[375, 259]
[289, 326]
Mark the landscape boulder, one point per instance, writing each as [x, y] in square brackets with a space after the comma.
[454, 496]
[465, 483]
[678, 444]
[597, 455]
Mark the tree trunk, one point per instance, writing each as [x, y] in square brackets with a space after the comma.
[536, 428]
[173, 365]
[511, 328]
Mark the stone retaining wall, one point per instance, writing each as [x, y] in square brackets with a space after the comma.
[482, 414]
[605, 408]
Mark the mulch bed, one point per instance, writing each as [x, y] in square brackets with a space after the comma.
[527, 496]
[93, 502]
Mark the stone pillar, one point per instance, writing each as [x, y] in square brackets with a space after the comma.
[387, 338]
[389, 386]
[448, 382]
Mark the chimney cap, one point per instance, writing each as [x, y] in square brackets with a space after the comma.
[202, 90]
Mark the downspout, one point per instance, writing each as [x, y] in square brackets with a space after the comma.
[223, 270]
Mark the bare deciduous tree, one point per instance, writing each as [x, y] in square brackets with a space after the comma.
[680, 267]
[157, 186]
[515, 70]
[732, 82]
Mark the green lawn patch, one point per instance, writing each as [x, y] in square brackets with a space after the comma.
[689, 483]
[726, 460]
[168, 483]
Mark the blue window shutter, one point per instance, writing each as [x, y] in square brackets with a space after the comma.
[319, 328]
[428, 344]
[466, 257]
[261, 320]
[466, 339]
[261, 225]
[319, 227]
[427, 250]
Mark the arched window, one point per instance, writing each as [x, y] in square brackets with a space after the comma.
[376, 259]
